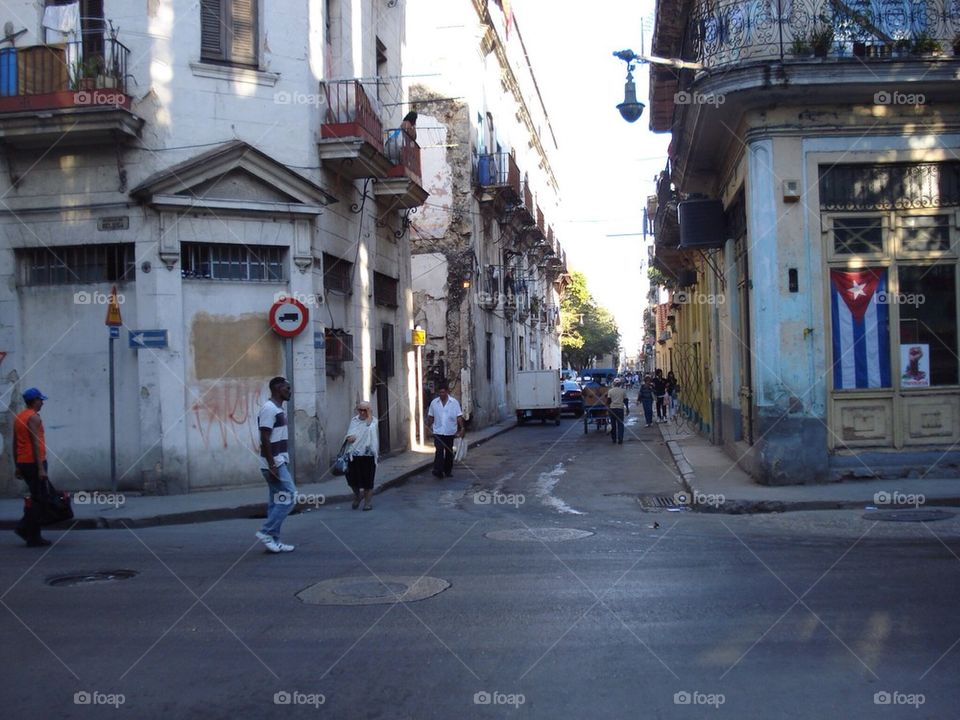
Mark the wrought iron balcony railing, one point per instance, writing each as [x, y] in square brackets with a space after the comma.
[351, 113]
[728, 32]
[497, 170]
[404, 153]
[89, 71]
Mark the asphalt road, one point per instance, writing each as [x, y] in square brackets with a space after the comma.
[653, 614]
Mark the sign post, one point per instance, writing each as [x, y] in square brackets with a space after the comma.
[113, 321]
[288, 318]
[419, 338]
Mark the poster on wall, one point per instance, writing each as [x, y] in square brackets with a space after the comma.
[915, 362]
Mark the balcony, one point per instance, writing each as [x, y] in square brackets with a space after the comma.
[70, 93]
[496, 175]
[402, 185]
[351, 134]
[783, 50]
[666, 225]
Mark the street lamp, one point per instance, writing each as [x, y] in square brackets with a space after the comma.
[631, 109]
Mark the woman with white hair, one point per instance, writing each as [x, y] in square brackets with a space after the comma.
[363, 446]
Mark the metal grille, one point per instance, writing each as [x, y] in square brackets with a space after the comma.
[336, 273]
[889, 186]
[220, 261]
[384, 290]
[72, 264]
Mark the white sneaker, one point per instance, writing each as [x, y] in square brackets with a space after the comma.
[284, 548]
[264, 538]
[273, 546]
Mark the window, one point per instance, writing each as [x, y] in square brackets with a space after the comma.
[925, 233]
[228, 31]
[858, 235]
[381, 66]
[338, 349]
[336, 273]
[385, 356]
[72, 264]
[520, 353]
[384, 290]
[928, 325]
[223, 261]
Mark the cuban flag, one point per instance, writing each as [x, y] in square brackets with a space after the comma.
[861, 328]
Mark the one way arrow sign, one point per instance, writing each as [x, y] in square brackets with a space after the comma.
[148, 339]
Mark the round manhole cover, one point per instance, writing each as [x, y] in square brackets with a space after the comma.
[909, 515]
[99, 576]
[539, 534]
[372, 591]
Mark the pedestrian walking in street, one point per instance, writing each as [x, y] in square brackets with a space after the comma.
[363, 446]
[645, 398]
[660, 393]
[617, 402]
[30, 459]
[445, 421]
[274, 466]
[672, 386]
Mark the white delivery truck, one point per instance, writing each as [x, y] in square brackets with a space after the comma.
[538, 395]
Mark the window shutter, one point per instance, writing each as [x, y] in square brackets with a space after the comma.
[211, 30]
[243, 26]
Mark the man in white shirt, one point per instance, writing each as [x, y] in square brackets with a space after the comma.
[445, 421]
[274, 458]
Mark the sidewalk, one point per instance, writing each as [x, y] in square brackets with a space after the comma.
[717, 484]
[245, 502]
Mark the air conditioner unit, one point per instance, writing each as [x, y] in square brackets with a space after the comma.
[687, 278]
[702, 225]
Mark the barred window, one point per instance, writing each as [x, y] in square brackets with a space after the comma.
[384, 290]
[73, 264]
[219, 261]
[336, 273]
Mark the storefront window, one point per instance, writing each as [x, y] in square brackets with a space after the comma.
[927, 303]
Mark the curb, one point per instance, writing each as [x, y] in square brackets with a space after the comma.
[247, 511]
[731, 506]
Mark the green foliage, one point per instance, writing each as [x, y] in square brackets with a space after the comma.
[587, 330]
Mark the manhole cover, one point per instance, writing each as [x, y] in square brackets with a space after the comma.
[100, 576]
[539, 534]
[908, 515]
[372, 591]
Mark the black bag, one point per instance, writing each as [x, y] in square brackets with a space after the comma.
[54, 506]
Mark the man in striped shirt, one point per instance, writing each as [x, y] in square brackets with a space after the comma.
[274, 462]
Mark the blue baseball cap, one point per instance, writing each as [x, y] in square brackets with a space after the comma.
[31, 394]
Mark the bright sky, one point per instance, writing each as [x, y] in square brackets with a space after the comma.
[605, 166]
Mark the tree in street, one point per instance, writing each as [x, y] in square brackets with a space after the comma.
[588, 330]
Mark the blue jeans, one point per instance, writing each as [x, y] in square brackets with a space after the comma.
[281, 498]
[616, 425]
[648, 410]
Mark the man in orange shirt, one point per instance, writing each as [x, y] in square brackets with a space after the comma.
[30, 456]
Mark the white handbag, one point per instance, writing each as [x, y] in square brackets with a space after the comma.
[460, 449]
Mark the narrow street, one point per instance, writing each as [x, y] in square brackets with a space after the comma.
[642, 612]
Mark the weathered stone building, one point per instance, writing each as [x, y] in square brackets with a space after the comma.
[487, 269]
[205, 159]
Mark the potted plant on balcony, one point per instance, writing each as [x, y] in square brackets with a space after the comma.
[926, 44]
[821, 38]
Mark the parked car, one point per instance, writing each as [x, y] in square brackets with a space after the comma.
[571, 398]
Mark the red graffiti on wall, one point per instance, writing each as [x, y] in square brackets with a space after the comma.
[227, 410]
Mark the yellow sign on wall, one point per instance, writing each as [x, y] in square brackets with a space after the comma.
[419, 337]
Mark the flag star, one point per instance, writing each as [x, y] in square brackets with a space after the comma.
[857, 290]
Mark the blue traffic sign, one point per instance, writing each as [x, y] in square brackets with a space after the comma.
[148, 338]
[114, 331]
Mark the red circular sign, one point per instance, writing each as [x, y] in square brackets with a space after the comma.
[288, 317]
